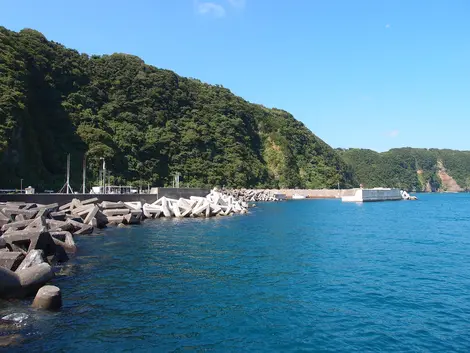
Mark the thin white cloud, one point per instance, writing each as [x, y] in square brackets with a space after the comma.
[388, 25]
[210, 8]
[237, 3]
[393, 133]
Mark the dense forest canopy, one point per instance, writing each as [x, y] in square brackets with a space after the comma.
[411, 168]
[147, 123]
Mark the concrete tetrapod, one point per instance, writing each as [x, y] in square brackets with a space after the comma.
[9, 283]
[32, 278]
[48, 298]
[34, 257]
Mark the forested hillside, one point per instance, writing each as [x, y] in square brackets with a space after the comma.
[146, 122]
[411, 168]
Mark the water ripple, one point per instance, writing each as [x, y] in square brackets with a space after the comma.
[298, 276]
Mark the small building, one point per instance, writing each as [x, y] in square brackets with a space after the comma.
[29, 190]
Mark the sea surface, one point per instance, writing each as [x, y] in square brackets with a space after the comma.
[295, 276]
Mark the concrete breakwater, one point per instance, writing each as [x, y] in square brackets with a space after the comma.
[36, 237]
[279, 194]
[253, 195]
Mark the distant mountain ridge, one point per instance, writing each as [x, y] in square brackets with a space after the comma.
[411, 168]
[147, 123]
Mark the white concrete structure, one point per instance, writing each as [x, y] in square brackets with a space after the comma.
[298, 197]
[376, 194]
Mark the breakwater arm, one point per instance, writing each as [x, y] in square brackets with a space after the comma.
[34, 237]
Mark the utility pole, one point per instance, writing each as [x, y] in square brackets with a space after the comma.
[67, 187]
[68, 173]
[84, 174]
[103, 176]
[21, 186]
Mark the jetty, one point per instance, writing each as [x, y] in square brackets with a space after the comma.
[253, 195]
[35, 237]
[377, 194]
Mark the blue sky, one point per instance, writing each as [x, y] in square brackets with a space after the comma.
[370, 74]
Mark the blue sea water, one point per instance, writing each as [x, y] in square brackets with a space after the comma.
[306, 275]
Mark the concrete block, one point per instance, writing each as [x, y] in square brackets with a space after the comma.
[17, 225]
[58, 216]
[34, 257]
[39, 223]
[75, 204]
[89, 201]
[108, 205]
[186, 212]
[73, 218]
[215, 209]
[27, 214]
[133, 218]
[54, 225]
[126, 218]
[115, 220]
[43, 241]
[228, 210]
[91, 214]
[81, 229]
[202, 208]
[9, 283]
[48, 298]
[20, 236]
[45, 210]
[151, 211]
[34, 277]
[11, 260]
[101, 220]
[15, 205]
[65, 206]
[158, 202]
[116, 212]
[82, 210]
[65, 240]
[176, 210]
[165, 209]
[134, 205]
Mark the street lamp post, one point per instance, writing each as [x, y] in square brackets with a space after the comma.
[21, 186]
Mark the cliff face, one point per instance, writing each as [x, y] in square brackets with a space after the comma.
[411, 168]
[146, 122]
[447, 182]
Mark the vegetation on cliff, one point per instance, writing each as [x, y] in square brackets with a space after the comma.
[146, 122]
[411, 168]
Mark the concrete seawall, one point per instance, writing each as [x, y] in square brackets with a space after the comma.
[62, 199]
[316, 193]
